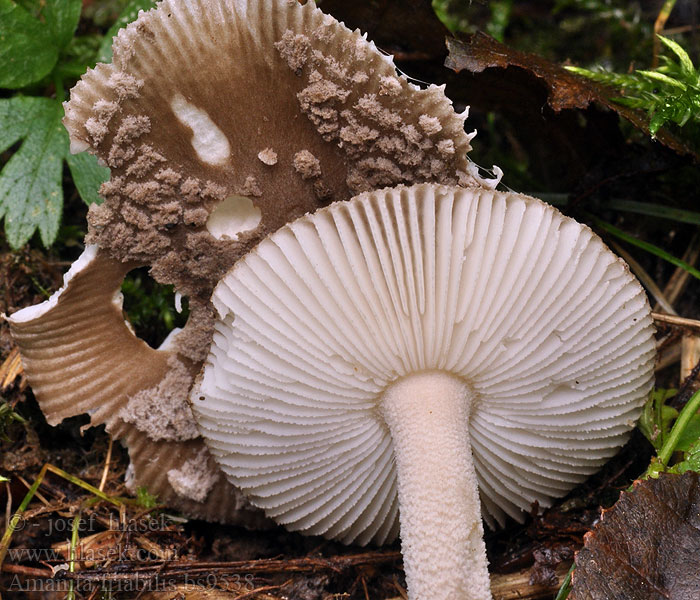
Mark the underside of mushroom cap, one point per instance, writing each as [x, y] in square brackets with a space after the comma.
[80, 356]
[546, 326]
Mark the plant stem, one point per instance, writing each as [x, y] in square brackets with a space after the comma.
[565, 588]
[678, 428]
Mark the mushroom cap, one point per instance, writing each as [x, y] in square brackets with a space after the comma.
[267, 99]
[547, 326]
[220, 121]
[80, 356]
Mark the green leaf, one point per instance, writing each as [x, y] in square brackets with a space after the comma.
[27, 48]
[663, 79]
[657, 122]
[78, 56]
[690, 435]
[657, 416]
[145, 499]
[62, 18]
[31, 195]
[88, 176]
[129, 14]
[655, 210]
[16, 117]
[685, 62]
[691, 462]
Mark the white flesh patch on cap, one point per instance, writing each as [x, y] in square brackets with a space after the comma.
[169, 342]
[549, 329]
[233, 216]
[208, 141]
[77, 145]
[194, 479]
[33, 312]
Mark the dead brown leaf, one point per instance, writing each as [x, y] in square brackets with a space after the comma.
[647, 546]
[10, 369]
[565, 89]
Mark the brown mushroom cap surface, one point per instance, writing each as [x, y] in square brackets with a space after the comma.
[220, 120]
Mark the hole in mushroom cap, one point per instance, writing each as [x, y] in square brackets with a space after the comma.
[208, 141]
[152, 308]
[233, 216]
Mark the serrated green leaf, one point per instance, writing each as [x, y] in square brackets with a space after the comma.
[685, 62]
[16, 116]
[31, 195]
[27, 48]
[62, 18]
[129, 14]
[88, 176]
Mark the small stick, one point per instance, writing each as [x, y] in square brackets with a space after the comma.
[108, 460]
[266, 565]
[676, 321]
[677, 282]
[690, 355]
[664, 14]
[256, 591]
[28, 571]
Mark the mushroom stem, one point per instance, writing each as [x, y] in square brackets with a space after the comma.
[439, 510]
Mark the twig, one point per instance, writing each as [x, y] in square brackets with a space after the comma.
[108, 460]
[677, 282]
[28, 571]
[126, 571]
[364, 587]
[10, 369]
[676, 321]
[690, 358]
[400, 590]
[256, 591]
[664, 14]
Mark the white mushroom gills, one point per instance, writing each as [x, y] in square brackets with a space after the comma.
[535, 334]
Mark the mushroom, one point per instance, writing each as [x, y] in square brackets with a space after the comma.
[436, 353]
[197, 92]
[81, 357]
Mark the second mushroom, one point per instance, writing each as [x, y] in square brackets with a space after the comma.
[423, 355]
